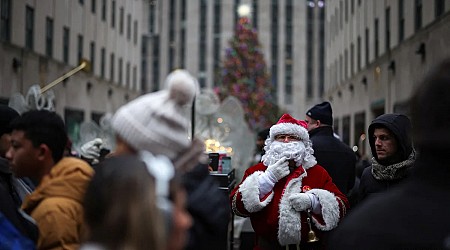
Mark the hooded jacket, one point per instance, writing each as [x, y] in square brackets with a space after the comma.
[56, 204]
[378, 177]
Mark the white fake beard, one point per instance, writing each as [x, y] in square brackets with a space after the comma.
[291, 150]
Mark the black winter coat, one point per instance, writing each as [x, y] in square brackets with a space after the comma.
[400, 126]
[412, 215]
[209, 209]
[10, 202]
[335, 156]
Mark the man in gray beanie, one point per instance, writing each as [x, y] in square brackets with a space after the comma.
[155, 122]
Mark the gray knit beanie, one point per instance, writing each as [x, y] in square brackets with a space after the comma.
[155, 122]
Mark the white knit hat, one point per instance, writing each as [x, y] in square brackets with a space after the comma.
[155, 122]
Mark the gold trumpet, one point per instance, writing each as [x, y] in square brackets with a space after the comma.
[311, 234]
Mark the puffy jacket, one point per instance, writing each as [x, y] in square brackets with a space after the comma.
[56, 204]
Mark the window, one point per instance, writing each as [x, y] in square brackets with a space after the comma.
[216, 41]
[93, 6]
[236, 7]
[80, 49]
[92, 48]
[111, 67]
[274, 44]
[345, 64]
[439, 7]
[66, 44]
[288, 51]
[103, 10]
[203, 42]
[73, 119]
[352, 58]
[376, 49]
[134, 76]
[387, 29]
[121, 17]
[5, 20]
[183, 32]
[113, 14]
[135, 32]
[102, 62]
[401, 21]
[360, 130]
[418, 14]
[29, 27]
[255, 13]
[152, 16]
[346, 130]
[129, 26]
[358, 52]
[127, 75]
[120, 71]
[49, 37]
[367, 46]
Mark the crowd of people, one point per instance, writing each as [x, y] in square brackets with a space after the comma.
[154, 191]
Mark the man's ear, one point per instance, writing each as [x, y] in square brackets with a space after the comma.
[44, 151]
[318, 123]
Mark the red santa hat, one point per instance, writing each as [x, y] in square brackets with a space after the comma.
[288, 125]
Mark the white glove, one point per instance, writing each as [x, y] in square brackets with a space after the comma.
[91, 149]
[278, 170]
[305, 201]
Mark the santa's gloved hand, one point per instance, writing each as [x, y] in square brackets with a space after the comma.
[278, 170]
[91, 149]
[302, 201]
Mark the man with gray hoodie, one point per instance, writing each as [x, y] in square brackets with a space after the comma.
[392, 151]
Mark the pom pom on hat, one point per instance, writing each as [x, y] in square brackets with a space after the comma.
[182, 86]
[290, 126]
[155, 122]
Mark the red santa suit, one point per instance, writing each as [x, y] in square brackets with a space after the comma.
[273, 217]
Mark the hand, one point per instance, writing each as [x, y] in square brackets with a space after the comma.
[91, 149]
[300, 201]
[279, 169]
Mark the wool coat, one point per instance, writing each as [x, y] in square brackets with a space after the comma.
[56, 204]
[274, 218]
[335, 156]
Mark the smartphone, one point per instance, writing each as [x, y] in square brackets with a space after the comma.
[214, 161]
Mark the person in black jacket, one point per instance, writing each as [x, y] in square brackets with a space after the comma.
[414, 214]
[335, 156]
[12, 189]
[392, 151]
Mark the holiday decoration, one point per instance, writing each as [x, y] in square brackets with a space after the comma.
[245, 76]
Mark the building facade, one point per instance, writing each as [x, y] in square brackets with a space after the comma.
[194, 35]
[377, 52]
[42, 40]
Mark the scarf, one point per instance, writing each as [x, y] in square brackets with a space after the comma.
[394, 171]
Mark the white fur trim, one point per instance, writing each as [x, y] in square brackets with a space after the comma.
[330, 209]
[289, 129]
[300, 201]
[249, 190]
[289, 223]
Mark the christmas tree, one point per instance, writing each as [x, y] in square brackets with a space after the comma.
[245, 76]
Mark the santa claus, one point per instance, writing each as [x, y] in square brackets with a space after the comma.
[288, 194]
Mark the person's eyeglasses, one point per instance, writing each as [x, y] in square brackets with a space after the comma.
[286, 137]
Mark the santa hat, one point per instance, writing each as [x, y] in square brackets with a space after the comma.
[287, 125]
[156, 122]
